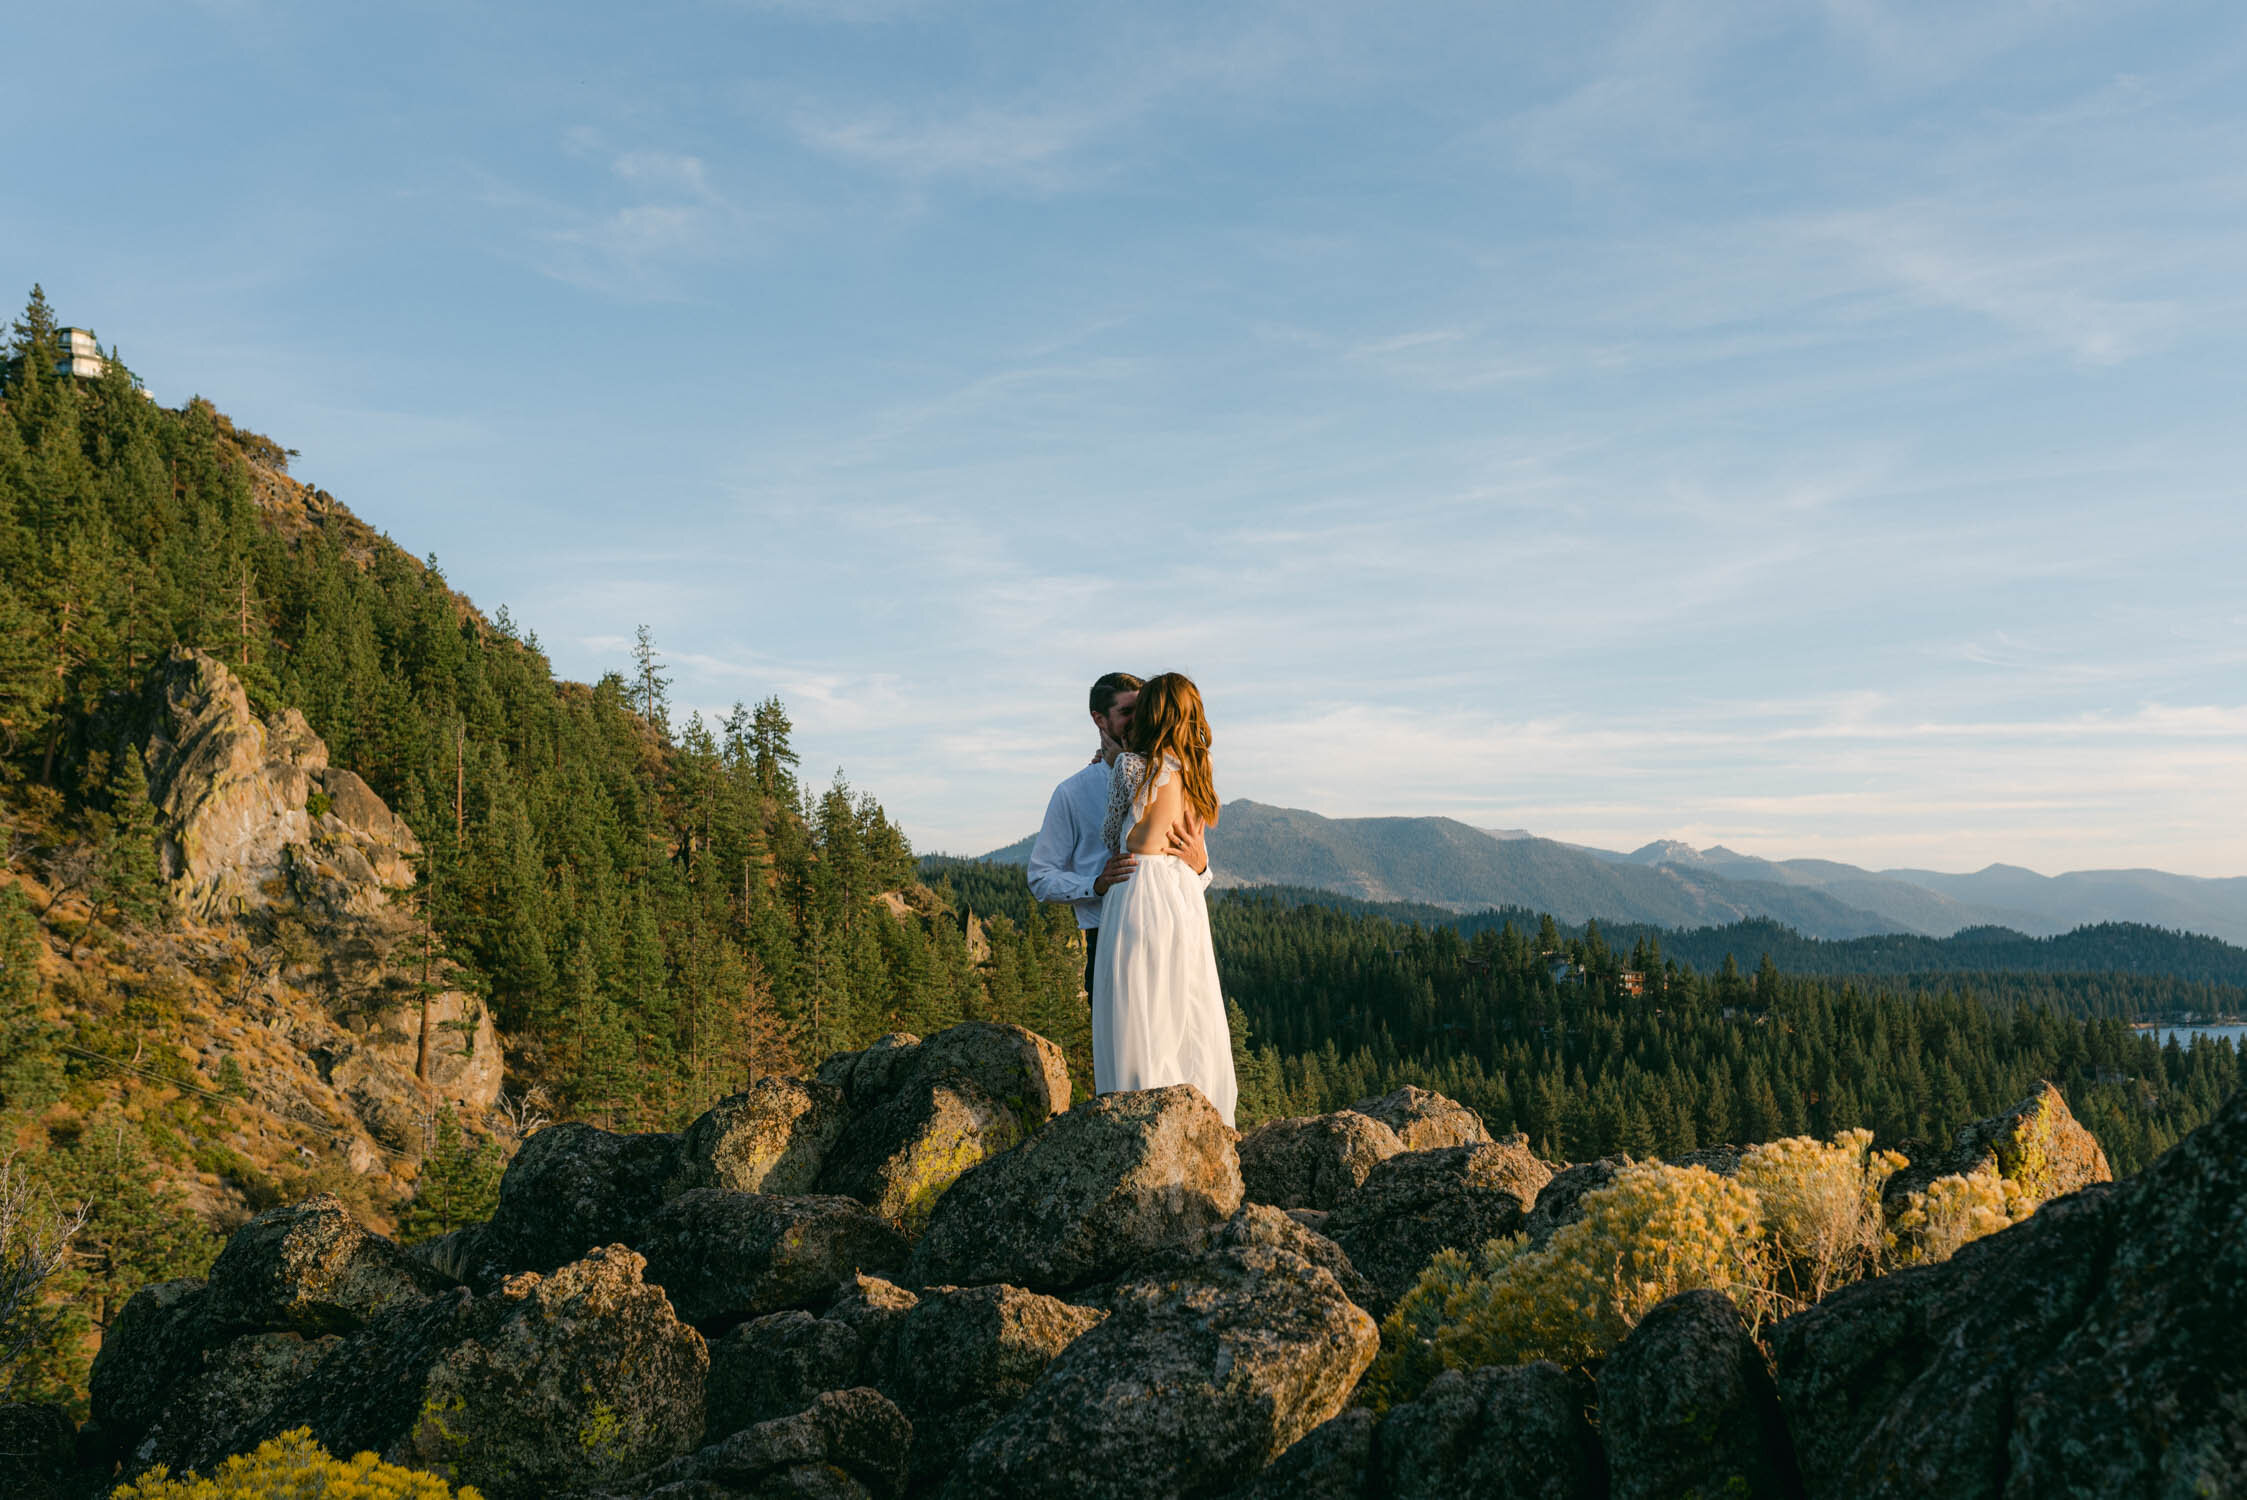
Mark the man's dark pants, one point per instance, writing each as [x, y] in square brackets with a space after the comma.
[1091, 946]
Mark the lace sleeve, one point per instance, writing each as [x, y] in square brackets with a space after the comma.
[1123, 789]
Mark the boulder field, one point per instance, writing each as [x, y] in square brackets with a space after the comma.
[924, 1273]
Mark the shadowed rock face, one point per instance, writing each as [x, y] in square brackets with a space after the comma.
[962, 1359]
[309, 1268]
[1111, 1182]
[582, 1375]
[2093, 1350]
[1686, 1407]
[1416, 1204]
[1516, 1432]
[726, 1256]
[1560, 1201]
[847, 1445]
[1206, 1370]
[1423, 1120]
[37, 1453]
[572, 1187]
[1315, 1161]
[220, 1410]
[2038, 1143]
[188, 1366]
[774, 1365]
[1330, 1462]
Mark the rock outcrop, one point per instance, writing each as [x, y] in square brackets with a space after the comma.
[725, 1256]
[250, 811]
[2091, 1350]
[1115, 1180]
[962, 1359]
[2038, 1143]
[771, 1138]
[1314, 1161]
[1686, 1407]
[923, 1112]
[1415, 1204]
[581, 1376]
[569, 1188]
[1210, 1346]
[309, 1268]
[1514, 1432]
[1423, 1120]
[846, 1445]
[1208, 1368]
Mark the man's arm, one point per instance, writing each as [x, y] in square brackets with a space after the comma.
[1187, 843]
[1051, 879]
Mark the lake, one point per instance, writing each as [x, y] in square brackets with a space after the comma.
[2235, 1031]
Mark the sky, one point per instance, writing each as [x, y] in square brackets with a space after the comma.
[1810, 427]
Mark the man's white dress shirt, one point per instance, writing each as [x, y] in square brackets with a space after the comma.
[1070, 853]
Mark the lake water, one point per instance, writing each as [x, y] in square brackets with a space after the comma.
[2184, 1034]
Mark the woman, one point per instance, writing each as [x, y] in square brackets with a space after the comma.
[1158, 1017]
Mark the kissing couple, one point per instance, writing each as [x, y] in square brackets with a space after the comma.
[1122, 843]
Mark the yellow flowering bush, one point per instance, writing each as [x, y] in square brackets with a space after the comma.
[293, 1467]
[1820, 1204]
[1954, 1210]
[1653, 1232]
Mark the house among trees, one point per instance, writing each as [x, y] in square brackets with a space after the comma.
[1633, 982]
[80, 354]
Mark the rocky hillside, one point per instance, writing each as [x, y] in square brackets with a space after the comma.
[287, 1017]
[925, 1272]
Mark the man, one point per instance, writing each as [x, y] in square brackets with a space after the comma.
[1069, 862]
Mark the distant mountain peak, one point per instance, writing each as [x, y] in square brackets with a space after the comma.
[1667, 852]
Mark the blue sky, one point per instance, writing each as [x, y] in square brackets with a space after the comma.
[1810, 427]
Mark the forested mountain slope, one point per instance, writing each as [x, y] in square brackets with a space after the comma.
[649, 912]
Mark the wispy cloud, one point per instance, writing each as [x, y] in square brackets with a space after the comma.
[663, 212]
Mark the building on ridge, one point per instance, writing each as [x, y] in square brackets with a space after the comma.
[81, 354]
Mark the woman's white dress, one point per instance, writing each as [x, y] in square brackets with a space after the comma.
[1158, 1016]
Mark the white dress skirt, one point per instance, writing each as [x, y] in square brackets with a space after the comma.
[1158, 1015]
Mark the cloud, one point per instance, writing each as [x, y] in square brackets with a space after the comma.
[666, 215]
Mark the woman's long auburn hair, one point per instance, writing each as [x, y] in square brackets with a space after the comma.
[1169, 721]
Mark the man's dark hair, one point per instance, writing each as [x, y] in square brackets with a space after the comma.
[1112, 686]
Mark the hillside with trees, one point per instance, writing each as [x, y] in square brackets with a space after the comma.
[653, 912]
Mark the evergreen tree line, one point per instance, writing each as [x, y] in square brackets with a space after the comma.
[1332, 1004]
[660, 910]
[1339, 1005]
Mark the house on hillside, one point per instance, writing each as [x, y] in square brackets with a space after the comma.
[81, 354]
[1633, 982]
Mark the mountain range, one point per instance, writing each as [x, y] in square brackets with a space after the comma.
[1444, 862]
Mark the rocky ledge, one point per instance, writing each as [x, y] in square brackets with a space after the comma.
[924, 1273]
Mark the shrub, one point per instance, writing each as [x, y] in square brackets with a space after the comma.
[1653, 1232]
[1820, 1204]
[293, 1467]
[1955, 1210]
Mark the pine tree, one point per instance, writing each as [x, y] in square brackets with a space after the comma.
[30, 1067]
[650, 686]
[131, 880]
[459, 1183]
